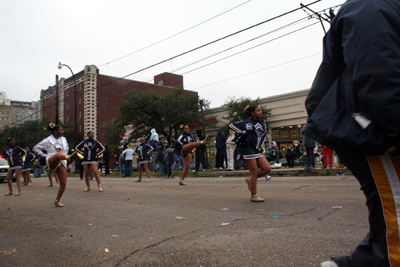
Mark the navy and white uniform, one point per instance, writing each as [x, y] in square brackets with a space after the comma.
[143, 152]
[90, 149]
[52, 146]
[182, 140]
[256, 131]
[14, 156]
[29, 158]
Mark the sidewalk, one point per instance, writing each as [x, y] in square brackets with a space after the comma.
[281, 172]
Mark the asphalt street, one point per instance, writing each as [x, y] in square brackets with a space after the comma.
[303, 221]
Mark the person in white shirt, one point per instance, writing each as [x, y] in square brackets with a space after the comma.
[56, 147]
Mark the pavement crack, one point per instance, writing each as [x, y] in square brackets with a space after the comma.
[301, 187]
[328, 214]
[154, 245]
[301, 212]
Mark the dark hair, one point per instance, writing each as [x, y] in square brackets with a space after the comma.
[52, 127]
[185, 126]
[250, 109]
[89, 133]
[9, 139]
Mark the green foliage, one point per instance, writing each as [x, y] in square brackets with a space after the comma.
[165, 111]
[32, 132]
[235, 110]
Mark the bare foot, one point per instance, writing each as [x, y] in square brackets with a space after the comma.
[181, 182]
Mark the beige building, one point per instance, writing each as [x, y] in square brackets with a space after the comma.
[288, 115]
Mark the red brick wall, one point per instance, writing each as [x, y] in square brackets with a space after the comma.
[169, 79]
[69, 108]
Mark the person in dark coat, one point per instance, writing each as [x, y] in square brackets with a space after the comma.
[220, 145]
[310, 144]
[168, 158]
[293, 153]
[353, 108]
[200, 150]
[160, 157]
[106, 160]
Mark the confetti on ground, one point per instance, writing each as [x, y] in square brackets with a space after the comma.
[9, 252]
[240, 219]
[273, 217]
[225, 209]
[106, 250]
[181, 218]
[224, 224]
[337, 207]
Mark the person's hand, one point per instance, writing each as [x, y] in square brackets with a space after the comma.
[393, 150]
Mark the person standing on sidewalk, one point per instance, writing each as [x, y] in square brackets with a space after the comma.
[127, 156]
[154, 140]
[353, 108]
[220, 145]
[200, 150]
[230, 151]
[327, 153]
[160, 157]
[106, 159]
[310, 145]
[251, 135]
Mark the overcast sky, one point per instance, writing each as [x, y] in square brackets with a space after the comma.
[36, 35]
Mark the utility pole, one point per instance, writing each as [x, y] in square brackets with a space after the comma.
[57, 101]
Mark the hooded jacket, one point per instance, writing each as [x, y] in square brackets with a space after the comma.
[354, 100]
[220, 140]
[154, 139]
[200, 137]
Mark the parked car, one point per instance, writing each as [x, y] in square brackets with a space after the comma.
[3, 169]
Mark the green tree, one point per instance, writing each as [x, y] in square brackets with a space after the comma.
[32, 132]
[164, 111]
[235, 110]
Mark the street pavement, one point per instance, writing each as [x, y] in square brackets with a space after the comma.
[303, 222]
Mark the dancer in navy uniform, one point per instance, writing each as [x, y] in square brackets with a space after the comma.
[143, 152]
[185, 143]
[28, 165]
[251, 134]
[354, 109]
[14, 155]
[90, 149]
[56, 147]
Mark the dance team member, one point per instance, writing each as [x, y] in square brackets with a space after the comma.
[56, 147]
[90, 149]
[143, 151]
[28, 165]
[185, 143]
[251, 135]
[14, 155]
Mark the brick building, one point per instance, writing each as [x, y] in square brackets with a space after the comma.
[98, 98]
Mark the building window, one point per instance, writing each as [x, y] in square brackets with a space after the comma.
[275, 134]
[284, 133]
[66, 92]
[7, 113]
[79, 100]
[67, 118]
[80, 115]
[7, 118]
[294, 133]
[80, 128]
[67, 106]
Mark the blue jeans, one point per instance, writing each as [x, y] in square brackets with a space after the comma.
[160, 167]
[310, 157]
[128, 167]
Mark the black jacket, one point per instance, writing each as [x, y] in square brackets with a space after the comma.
[354, 101]
[200, 137]
[220, 140]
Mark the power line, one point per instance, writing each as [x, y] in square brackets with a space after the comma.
[174, 34]
[249, 73]
[235, 54]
